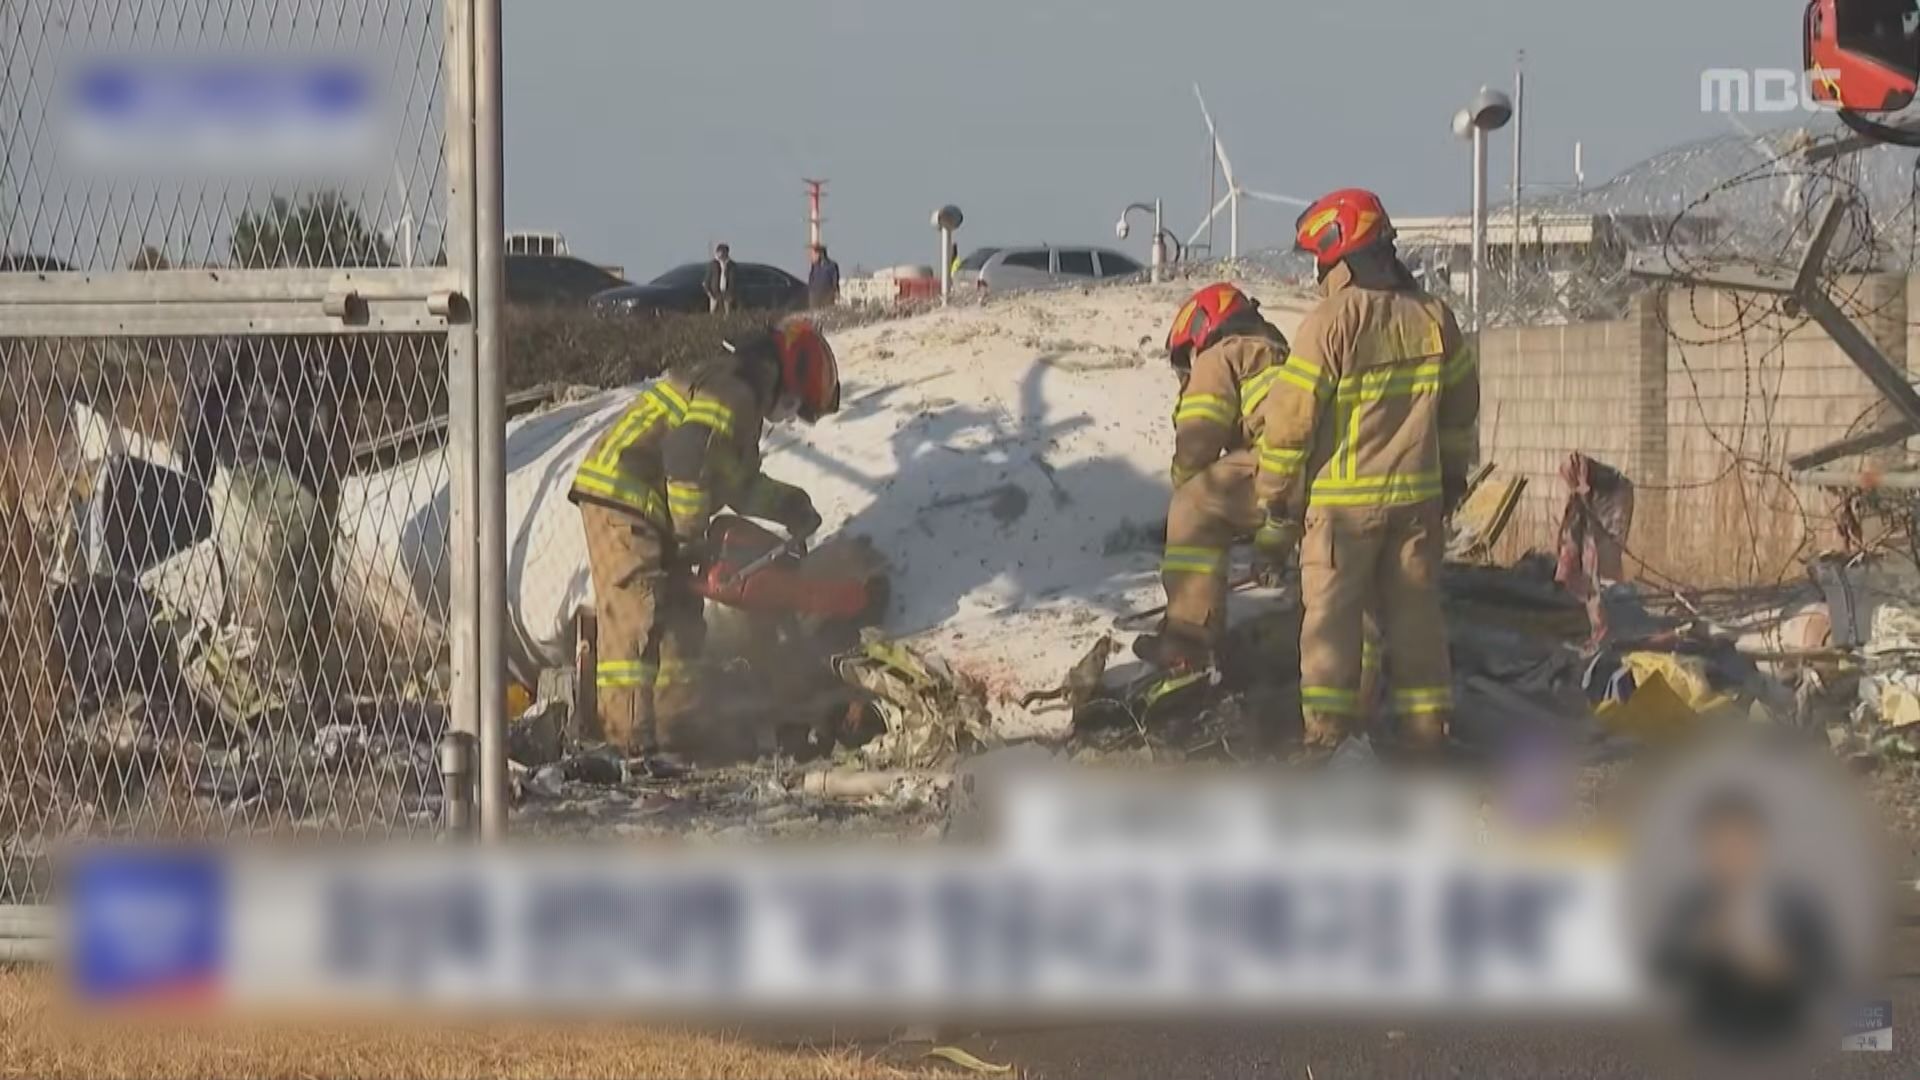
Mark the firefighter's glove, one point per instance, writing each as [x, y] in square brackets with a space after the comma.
[804, 525]
[690, 556]
[1273, 548]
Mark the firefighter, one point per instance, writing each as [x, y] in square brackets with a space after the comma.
[1227, 357]
[1365, 445]
[689, 445]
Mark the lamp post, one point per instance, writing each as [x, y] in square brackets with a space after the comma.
[947, 219]
[1158, 264]
[1489, 111]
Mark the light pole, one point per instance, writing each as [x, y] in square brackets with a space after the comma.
[1489, 111]
[1158, 271]
[947, 219]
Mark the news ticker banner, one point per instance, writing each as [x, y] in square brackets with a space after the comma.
[1201, 899]
[286, 110]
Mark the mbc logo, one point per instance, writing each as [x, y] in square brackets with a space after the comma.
[1767, 90]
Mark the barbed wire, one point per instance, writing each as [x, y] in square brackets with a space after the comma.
[1750, 200]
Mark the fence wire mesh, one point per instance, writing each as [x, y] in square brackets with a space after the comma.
[68, 211]
[224, 563]
[224, 614]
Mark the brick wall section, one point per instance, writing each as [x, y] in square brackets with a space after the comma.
[1675, 394]
[1548, 390]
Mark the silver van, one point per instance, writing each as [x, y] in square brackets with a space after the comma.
[1017, 269]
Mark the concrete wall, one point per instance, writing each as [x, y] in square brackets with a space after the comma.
[1700, 397]
[1547, 391]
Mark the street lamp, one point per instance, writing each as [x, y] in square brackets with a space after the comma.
[1489, 111]
[1158, 273]
[947, 220]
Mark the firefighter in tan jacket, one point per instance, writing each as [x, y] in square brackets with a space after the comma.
[689, 445]
[1227, 358]
[1366, 442]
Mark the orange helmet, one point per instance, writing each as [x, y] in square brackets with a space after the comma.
[1200, 319]
[1340, 224]
[808, 371]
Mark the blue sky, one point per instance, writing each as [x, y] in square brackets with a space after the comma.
[646, 129]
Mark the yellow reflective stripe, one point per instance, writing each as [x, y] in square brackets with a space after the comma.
[1304, 374]
[1407, 380]
[635, 423]
[1394, 490]
[1280, 460]
[1181, 476]
[685, 499]
[1180, 559]
[670, 396]
[646, 500]
[625, 674]
[1423, 700]
[1330, 699]
[1171, 685]
[1255, 390]
[1210, 407]
[711, 414]
[1346, 449]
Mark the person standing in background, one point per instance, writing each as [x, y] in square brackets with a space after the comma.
[722, 282]
[823, 279]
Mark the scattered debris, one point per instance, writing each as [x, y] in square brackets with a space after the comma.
[931, 714]
[1482, 519]
[953, 1055]
[1083, 680]
[1598, 517]
[865, 784]
[537, 737]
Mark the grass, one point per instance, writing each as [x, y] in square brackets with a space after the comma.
[41, 1036]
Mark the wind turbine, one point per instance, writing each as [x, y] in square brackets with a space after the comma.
[1230, 202]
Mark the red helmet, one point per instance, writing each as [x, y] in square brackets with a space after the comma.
[1200, 319]
[808, 370]
[1340, 224]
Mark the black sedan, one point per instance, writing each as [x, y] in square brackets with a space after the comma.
[555, 279]
[680, 289]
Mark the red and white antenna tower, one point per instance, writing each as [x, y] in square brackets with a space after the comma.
[816, 189]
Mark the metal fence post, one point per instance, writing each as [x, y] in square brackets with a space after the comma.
[463, 253]
[490, 438]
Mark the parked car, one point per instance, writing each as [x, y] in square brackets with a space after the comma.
[1011, 269]
[556, 279]
[31, 264]
[680, 289]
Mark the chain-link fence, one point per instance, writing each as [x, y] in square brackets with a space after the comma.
[226, 596]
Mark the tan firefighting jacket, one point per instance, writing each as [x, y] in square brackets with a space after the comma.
[689, 445]
[1219, 408]
[1375, 407]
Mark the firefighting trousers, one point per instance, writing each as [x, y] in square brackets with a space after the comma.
[651, 633]
[1384, 561]
[1208, 513]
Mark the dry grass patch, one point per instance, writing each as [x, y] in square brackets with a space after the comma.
[41, 1037]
